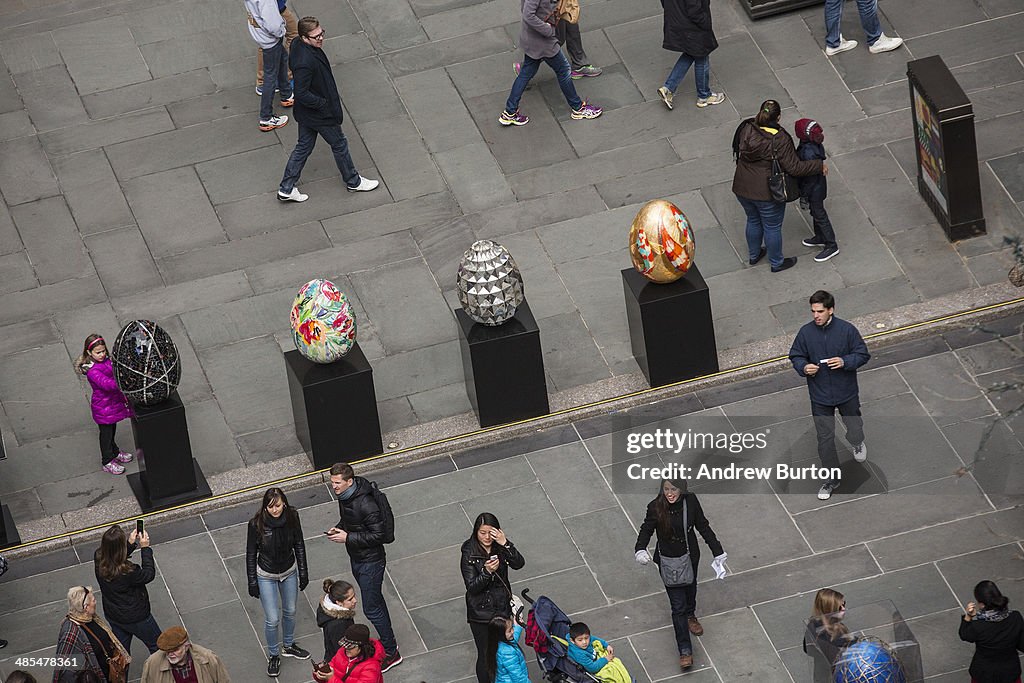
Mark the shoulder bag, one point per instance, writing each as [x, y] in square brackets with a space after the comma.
[782, 186]
[677, 571]
[118, 663]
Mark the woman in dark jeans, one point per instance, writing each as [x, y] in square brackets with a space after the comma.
[487, 556]
[753, 145]
[665, 518]
[123, 586]
[997, 633]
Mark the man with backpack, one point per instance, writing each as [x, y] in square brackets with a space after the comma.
[366, 524]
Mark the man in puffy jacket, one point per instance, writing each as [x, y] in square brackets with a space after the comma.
[362, 528]
[827, 351]
[318, 112]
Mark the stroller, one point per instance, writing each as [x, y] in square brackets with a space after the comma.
[544, 621]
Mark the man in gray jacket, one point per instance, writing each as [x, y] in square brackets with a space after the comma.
[267, 28]
[538, 38]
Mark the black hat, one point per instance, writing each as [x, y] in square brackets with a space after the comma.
[356, 635]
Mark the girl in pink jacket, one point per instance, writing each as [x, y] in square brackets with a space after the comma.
[109, 406]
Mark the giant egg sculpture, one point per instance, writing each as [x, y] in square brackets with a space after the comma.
[322, 321]
[489, 284]
[868, 660]
[661, 242]
[146, 363]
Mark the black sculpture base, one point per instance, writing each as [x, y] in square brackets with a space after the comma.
[335, 407]
[9, 536]
[504, 368]
[670, 327]
[758, 9]
[168, 474]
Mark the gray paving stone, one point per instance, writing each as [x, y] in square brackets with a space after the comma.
[22, 374]
[543, 286]
[744, 76]
[52, 241]
[891, 203]
[474, 176]
[387, 219]
[215, 105]
[123, 261]
[217, 627]
[687, 175]
[176, 148]
[599, 234]
[173, 212]
[924, 248]
[856, 301]
[242, 253]
[149, 94]
[485, 75]
[592, 282]
[29, 52]
[970, 43]
[917, 18]
[1010, 171]
[15, 124]
[164, 21]
[441, 53]
[342, 49]
[235, 73]
[435, 106]
[96, 134]
[25, 174]
[92, 192]
[268, 445]
[857, 136]
[991, 136]
[393, 23]
[473, 18]
[367, 91]
[16, 273]
[614, 89]
[188, 296]
[242, 175]
[403, 161]
[9, 93]
[732, 331]
[736, 642]
[255, 316]
[91, 48]
[532, 213]
[593, 533]
[814, 91]
[435, 404]
[250, 387]
[29, 334]
[569, 360]
[638, 44]
[185, 53]
[443, 246]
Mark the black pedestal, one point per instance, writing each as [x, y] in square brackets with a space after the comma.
[9, 536]
[670, 327]
[168, 474]
[504, 368]
[335, 407]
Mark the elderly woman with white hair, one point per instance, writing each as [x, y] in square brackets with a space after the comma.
[86, 637]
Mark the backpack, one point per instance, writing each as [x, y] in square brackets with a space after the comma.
[385, 510]
[568, 11]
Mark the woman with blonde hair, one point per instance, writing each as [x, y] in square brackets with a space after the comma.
[826, 631]
[87, 637]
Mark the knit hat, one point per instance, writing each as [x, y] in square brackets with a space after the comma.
[808, 129]
[356, 635]
[172, 638]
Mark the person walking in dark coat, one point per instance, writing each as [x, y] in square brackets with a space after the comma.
[756, 142]
[827, 351]
[123, 586]
[997, 633]
[814, 189]
[318, 112]
[687, 27]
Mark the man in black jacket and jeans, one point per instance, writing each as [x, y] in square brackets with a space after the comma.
[827, 351]
[362, 529]
[318, 112]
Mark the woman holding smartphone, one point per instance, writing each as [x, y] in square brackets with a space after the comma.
[487, 556]
[123, 585]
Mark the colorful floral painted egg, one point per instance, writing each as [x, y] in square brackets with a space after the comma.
[323, 322]
[661, 242]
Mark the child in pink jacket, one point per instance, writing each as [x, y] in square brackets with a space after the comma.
[109, 406]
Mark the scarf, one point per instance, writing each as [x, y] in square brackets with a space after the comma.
[992, 614]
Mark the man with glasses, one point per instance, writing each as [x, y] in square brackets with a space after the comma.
[180, 661]
[318, 112]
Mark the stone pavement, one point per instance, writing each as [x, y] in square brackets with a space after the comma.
[951, 518]
[136, 185]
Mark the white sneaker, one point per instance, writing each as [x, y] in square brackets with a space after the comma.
[365, 185]
[884, 44]
[860, 453]
[293, 196]
[843, 46]
[713, 98]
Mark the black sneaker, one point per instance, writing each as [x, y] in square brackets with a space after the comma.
[274, 666]
[825, 492]
[813, 242]
[3, 644]
[390, 661]
[786, 264]
[294, 650]
[760, 255]
[826, 254]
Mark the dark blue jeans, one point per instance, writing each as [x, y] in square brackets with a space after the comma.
[683, 601]
[559, 64]
[146, 630]
[822, 225]
[764, 224]
[304, 147]
[275, 75]
[825, 424]
[370, 577]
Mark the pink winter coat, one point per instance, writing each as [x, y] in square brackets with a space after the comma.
[108, 403]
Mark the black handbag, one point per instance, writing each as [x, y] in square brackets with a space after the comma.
[782, 186]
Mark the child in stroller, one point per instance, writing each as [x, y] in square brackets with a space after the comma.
[543, 625]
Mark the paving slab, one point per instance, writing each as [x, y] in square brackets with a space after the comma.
[173, 212]
[89, 50]
[25, 174]
[51, 240]
[123, 261]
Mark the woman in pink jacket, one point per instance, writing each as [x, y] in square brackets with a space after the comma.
[109, 406]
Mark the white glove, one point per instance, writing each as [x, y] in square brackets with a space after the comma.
[718, 564]
[643, 557]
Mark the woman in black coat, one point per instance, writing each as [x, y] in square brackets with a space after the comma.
[123, 586]
[997, 633]
[665, 518]
[688, 31]
[487, 556]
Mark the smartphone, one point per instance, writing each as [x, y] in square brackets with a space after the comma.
[823, 361]
[327, 533]
[140, 527]
[494, 557]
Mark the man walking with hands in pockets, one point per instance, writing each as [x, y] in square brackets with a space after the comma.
[827, 351]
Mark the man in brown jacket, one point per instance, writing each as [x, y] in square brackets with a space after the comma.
[180, 660]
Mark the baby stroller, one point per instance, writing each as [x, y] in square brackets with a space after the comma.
[544, 621]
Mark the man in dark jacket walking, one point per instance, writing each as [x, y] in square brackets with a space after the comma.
[688, 31]
[828, 351]
[318, 112]
[362, 528]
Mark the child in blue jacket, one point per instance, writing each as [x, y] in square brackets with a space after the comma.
[814, 189]
[505, 660]
[595, 655]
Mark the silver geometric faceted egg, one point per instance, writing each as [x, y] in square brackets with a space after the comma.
[489, 284]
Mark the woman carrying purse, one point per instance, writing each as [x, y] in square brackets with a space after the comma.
[487, 556]
[85, 636]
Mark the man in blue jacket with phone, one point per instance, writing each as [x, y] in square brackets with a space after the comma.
[827, 351]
